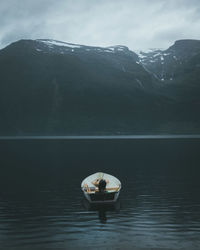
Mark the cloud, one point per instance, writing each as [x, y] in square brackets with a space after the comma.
[138, 24]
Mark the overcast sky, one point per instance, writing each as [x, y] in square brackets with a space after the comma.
[138, 24]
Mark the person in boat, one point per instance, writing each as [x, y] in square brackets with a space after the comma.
[101, 184]
[96, 181]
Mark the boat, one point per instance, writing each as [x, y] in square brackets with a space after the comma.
[101, 188]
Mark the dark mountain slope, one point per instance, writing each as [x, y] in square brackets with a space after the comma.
[49, 87]
[174, 63]
[178, 70]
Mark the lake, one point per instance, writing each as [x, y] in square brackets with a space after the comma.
[42, 205]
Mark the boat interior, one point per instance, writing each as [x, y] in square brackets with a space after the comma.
[92, 189]
[90, 184]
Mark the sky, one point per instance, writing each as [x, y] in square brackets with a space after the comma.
[140, 24]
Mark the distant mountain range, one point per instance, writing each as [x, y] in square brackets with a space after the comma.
[50, 87]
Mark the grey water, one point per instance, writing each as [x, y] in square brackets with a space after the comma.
[42, 205]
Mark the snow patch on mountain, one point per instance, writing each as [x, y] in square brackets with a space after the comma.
[160, 63]
[157, 54]
[62, 47]
[58, 43]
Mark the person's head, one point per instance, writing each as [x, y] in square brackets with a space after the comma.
[102, 185]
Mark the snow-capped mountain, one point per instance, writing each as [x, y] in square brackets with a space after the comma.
[53, 87]
[48, 45]
[167, 65]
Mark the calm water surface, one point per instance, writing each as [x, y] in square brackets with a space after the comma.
[42, 206]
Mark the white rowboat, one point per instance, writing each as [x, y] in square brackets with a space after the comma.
[92, 192]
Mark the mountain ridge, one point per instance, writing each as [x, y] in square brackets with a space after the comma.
[56, 88]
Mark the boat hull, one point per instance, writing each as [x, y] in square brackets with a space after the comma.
[102, 198]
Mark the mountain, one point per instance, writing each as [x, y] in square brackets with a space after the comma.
[55, 88]
[169, 65]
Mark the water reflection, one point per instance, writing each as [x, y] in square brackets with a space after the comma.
[102, 209]
[40, 194]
